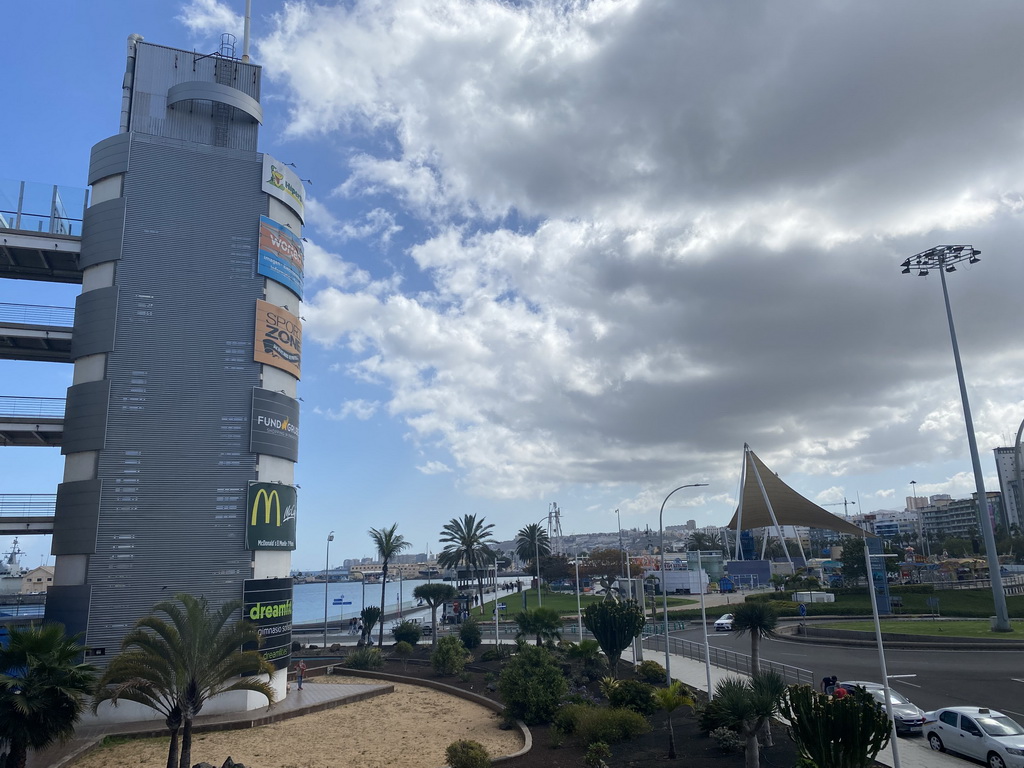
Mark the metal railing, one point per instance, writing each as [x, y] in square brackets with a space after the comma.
[35, 207]
[22, 407]
[723, 658]
[32, 314]
[28, 504]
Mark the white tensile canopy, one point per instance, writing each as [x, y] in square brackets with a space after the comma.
[767, 502]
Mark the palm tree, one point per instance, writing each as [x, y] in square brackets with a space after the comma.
[176, 664]
[758, 617]
[467, 542]
[705, 542]
[530, 541]
[388, 544]
[42, 689]
[670, 699]
[544, 623]
[748, 706]
[434, 595]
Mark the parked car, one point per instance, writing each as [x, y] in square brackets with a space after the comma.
[976, 732]
[909, 717]
[426, 628]
[724, 624]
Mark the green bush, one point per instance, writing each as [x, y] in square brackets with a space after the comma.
[596, 755]
[727, 739]
[498, 652]
[467, 754]
[407, 632]
[449, 658]
[403, 650]
[469, 634]
[650, 671]
[635, 695]
[568, 716]
[611, 726]
[532, 685]
[711, 717]
[364, 658]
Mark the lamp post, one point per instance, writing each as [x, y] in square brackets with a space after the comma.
[664, 590]
[536, 557]
[327, 570]
[619, 523]
[944, 258]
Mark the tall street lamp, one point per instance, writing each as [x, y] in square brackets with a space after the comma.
[944, 258]
[664, 580]
[327, 579]
[536, 557]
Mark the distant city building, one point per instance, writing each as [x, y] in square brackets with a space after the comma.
[1007, 470]
[37, 580]
[945, 517]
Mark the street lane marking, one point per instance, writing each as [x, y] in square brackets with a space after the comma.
[1017, 680]
[904, 682]
[1018, 714]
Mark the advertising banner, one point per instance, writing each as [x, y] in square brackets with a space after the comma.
[280, 255]
[267, 603]
[278, 338]
[270, 521]
[275, 424]
[281, 182]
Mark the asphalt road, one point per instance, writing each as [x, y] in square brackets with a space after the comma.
[993, 679]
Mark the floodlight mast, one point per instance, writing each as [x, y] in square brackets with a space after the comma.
[944, 258]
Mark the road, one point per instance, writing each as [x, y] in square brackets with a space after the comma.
[992, 679]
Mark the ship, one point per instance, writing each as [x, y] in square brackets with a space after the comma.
[11, 571]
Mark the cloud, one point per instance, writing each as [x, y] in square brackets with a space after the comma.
[210, 17]
[359, 409]
[636, 235]
[434, 468]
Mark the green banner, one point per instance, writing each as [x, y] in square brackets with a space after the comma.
[270, 516]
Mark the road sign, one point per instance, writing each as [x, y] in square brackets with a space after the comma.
[339, 601]
[502, 606]
[803, 609]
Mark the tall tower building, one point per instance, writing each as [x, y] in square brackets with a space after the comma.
[1006, 466]
[181, 427]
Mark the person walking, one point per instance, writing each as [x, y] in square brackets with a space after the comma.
[300, 672]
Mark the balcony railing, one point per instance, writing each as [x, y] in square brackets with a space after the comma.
[35, 207]
[27, 407]
[27, 504]
[32, 314]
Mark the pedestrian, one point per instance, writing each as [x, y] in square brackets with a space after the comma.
[300, 672]
[828, 684]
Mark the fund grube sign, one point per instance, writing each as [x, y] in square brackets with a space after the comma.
[275, 424]
[280, 255]
[278, 338]
[270, 521]
[267, 603]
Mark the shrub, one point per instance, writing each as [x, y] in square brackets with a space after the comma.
[727, 739]
[469, 634]
[449, 658]
[407, 632]
[532, 685]
[650, 671]
[568, 716]
[587, 658]
[403, 650]
[611, 726]
[635, 695]
[467, 754]
[365, 658]
[711, 716]
[498, 652]
[596, 754]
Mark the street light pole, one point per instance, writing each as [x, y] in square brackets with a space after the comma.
[536, 552]
[664, 590]
[944, 258]
[327, 571]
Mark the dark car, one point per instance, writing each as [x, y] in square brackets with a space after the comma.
[909, 717]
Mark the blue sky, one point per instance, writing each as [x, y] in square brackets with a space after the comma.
[581, 252]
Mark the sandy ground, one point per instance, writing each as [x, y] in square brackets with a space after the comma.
[409, 728]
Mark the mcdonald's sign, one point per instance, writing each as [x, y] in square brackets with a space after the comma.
[270, 516]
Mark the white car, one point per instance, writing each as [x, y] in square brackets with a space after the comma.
[976, 732]
[909, 718]
[724, 624]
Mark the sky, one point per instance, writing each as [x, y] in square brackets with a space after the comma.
[580, 252]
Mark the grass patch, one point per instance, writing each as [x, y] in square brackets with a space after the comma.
[968, 628]
[563, 602]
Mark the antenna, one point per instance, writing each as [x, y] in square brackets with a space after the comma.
[245, 32]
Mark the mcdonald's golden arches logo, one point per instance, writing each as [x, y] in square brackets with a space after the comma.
[270, 516]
